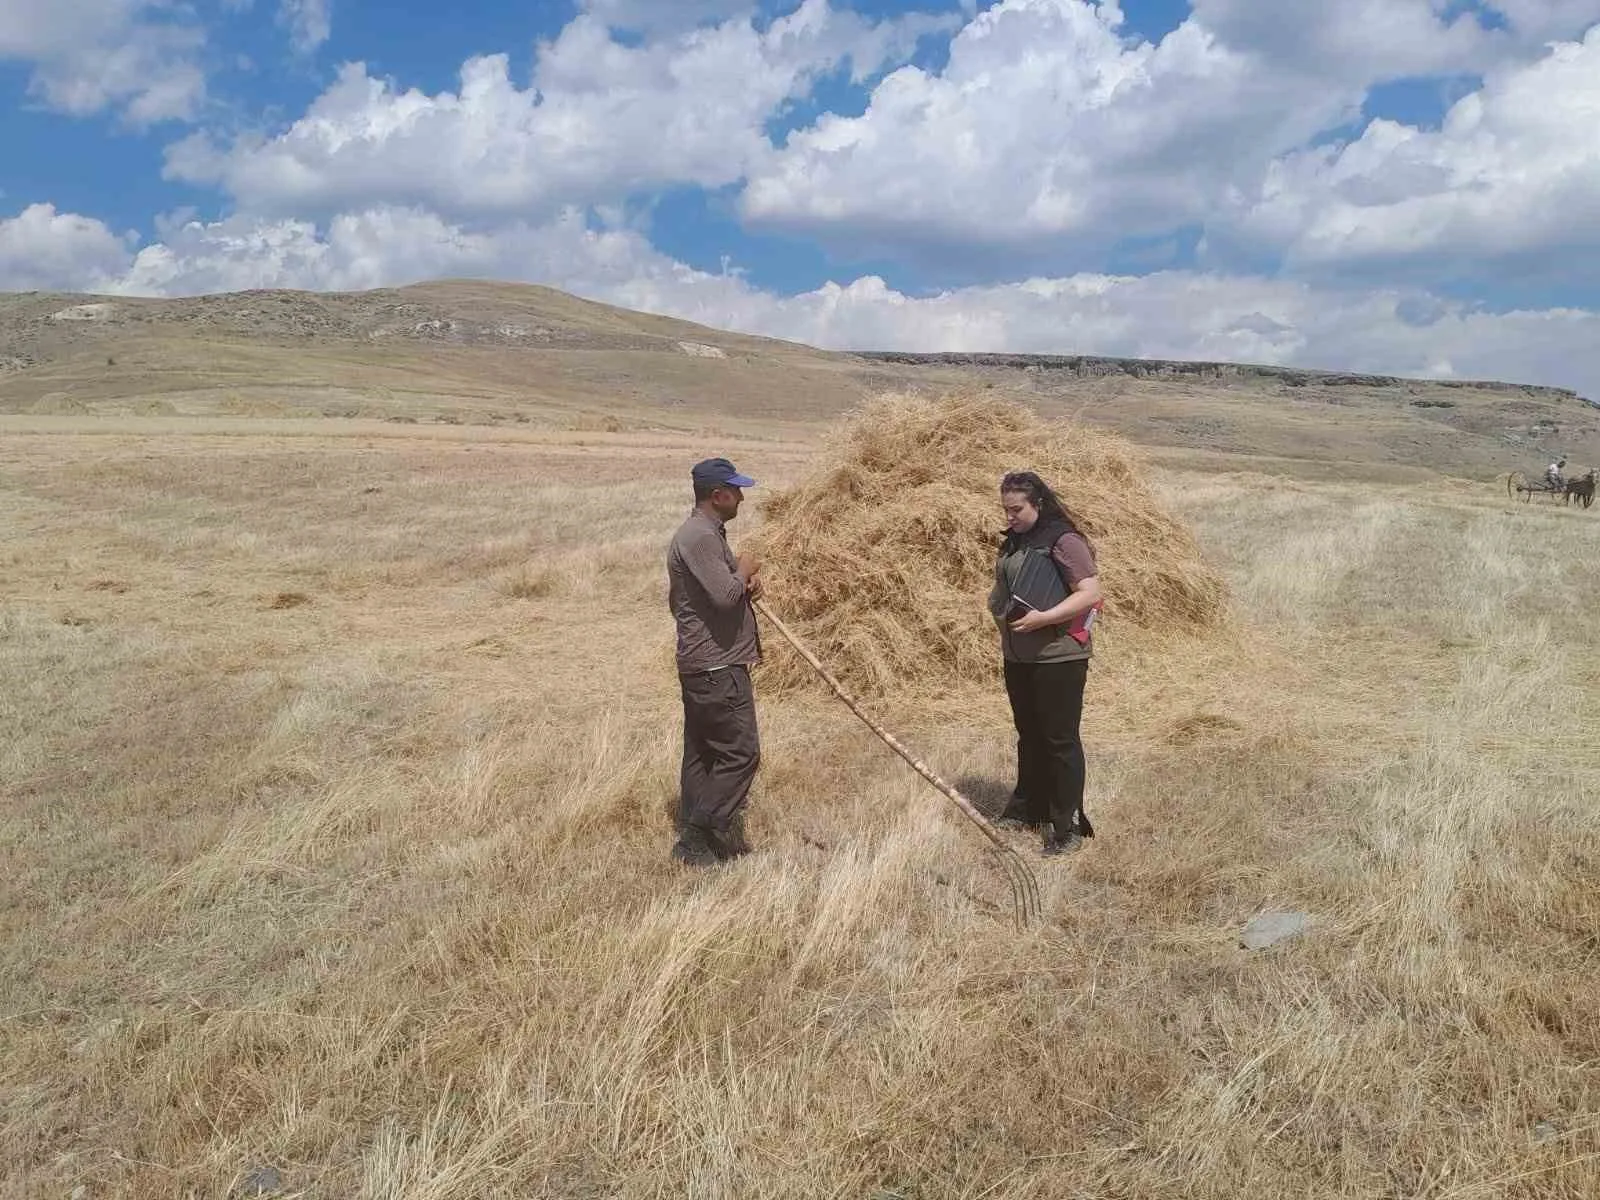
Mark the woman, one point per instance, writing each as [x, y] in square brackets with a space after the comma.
[1047, 651]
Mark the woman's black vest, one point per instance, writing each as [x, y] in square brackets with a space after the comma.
[1054, 644]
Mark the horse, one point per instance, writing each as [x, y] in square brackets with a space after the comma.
[1581, 489]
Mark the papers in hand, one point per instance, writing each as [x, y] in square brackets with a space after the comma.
[1083, 623]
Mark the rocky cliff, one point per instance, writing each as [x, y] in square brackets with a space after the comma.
[1087, 366]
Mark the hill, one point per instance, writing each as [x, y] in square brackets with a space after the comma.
[486, 353]
[455, 351]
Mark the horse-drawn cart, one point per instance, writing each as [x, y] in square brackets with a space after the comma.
[1581, 489]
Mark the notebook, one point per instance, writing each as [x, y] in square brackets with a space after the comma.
[1037, 583]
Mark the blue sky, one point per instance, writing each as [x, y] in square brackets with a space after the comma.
[1286, 181]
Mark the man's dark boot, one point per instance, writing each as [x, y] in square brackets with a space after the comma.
[730, 843]
[693, 848]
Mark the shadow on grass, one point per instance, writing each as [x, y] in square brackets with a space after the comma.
[988, 794]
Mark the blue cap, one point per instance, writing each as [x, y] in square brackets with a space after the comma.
[719, 472]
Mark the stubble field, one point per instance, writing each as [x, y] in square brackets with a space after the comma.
[337, 776]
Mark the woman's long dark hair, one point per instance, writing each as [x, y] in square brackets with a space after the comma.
[1026, 483]
[1040, 495]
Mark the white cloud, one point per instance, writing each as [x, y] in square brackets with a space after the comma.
[45, 250]
[1355, 40]
[1047, 122]
[374, 248]
[90, 55]
[1051, 133]
[309, 22]
[1171, 315]
[601, 120]
[951, 156]
[1513, 173]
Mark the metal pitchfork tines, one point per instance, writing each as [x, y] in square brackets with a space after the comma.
[1024, 885]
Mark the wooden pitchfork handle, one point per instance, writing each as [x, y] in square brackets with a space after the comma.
[1024, 886]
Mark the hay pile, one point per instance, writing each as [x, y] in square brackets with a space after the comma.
[883, 559]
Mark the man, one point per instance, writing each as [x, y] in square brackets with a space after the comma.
[1553, 475]
[710, 591]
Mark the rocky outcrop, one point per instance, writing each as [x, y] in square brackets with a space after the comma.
[700, 350]
[1088, 366]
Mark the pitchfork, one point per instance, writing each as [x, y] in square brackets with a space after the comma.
[1024, 886]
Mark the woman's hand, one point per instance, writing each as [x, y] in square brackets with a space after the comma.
[1031, 623]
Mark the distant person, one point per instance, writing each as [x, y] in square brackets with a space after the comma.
[710, 591]
[1555, 474]
[1045, 597]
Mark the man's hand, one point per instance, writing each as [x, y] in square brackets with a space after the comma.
[749, 565]
[756, 588]
[1030, 623]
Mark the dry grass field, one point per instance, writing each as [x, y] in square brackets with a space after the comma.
[336, 777]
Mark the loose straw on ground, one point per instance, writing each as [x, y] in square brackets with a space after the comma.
[1024, 886]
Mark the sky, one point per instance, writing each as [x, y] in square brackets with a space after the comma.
[1398, 186]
